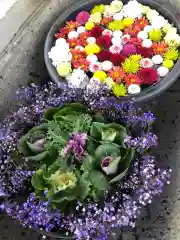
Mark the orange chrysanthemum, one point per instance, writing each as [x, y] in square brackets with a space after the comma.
[60, 35]
[77, 54]
[72, 25]
[160, 48]
[132, 79]
[117, 74]
[141, 23]
[105, 21]
[132, 30]
[81, 63]
[83, 37]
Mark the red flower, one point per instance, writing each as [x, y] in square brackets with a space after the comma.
[129, 49]
[64, 30]
[82, 37]
[104, 55]
[82, 17]
[96, 31]
[83, 64]
[145, 52]
[60, 35]
[77, 54]
[133, 79]
[160, 48]
[104, 41]
[73, 42]
[117, 59]
[141, 23]
[132, 30]
[148, 75]
[72, 25]
[117, 74]
[136, 41]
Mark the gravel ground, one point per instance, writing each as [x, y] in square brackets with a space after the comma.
[22, 61]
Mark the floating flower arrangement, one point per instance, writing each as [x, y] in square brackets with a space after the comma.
[82, 164]
[125, 47]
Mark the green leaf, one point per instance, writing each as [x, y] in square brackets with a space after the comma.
[39, 157]
[109, 135]
[43, 128]
[84, 184]
[63, 196]
[69, 108]
[23, 147]
[97, 195]
[119, 177]
[34, 148]
[98, 180]
[106, 150]
[96, 130]
[49, 114]
[98, 117]
[88, 163]
[128, 158]
[37, 180]
[91, 145]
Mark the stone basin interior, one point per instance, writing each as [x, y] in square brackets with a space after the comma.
[22, 61]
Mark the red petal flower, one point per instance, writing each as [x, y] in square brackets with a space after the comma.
[117, 59]
[104, 41]
[105, 21]
[129, 49]
[141, 23]
[145, 52]
[133, 79]
[148, 75]
[104, 55]
[96, 31]
[132, 30]
[60, 35]
[73, 42]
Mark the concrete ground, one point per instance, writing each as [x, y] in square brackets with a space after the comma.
[21, 60]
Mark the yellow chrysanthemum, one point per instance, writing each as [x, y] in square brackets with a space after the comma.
[101, 75]
[98, 9]
[131, 66]
[171, 54]
[92, 48]
[116, 25]
[136, 57]
[89, 25]
[168, 63]
[128, 21]
[155, 35]
[119, 90]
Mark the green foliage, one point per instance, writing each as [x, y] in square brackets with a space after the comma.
[62, 176]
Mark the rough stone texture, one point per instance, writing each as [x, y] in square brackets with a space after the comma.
[23, 61]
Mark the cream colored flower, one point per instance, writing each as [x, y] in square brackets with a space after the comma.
[116, 6]
[152, 14]
[109, 82]
[95, 17]
[62, 181]
[173, 40]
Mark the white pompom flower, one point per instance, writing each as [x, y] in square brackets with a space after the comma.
[91, 40]
[162, 71]
[116, 41]
[157, 59]
[116, 49]
[92, 58]
[95, 66]
[73, 35]
[107, 32]
[81, 29]
[78, 79]
[146, 63]
[158, 22]
[142, 35]
[117, 34]
[147, 43]
[134, 89]
[148, 28]
[107, 66]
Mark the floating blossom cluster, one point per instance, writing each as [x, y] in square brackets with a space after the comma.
[110, 43]
[89, 220]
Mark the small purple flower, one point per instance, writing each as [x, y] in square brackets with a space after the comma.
[76, 145]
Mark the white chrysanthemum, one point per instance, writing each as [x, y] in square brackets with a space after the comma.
[92, 58]
[162, 71]
[172, 30]
[158, 22]
[146, 63]
[91, 40]
[157, 59]
[148, 28]
[95, 66]
[73, 34]
[116, 41]
[107, 32]
[173, 40]
[107, 66]
[61, 41]
[133, 9]
[117, 34]
[78, 79]
[81, 29]
[145, 9]
[134, 89]
[107, 11]
[59, 54]
[147, 43]
[118, 16]
[142, 35]
[152, 14]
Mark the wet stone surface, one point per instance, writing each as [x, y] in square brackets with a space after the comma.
[23, 61]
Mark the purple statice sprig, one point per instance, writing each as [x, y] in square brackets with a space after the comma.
[121, 208]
